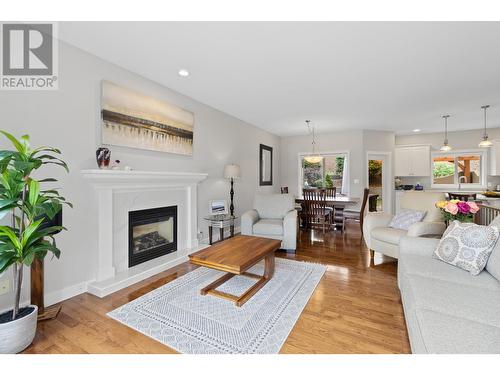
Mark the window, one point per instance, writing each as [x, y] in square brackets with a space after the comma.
[331, 171]
[459, 168]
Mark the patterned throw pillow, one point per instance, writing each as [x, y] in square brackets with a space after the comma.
[405, 218]
[467, 246]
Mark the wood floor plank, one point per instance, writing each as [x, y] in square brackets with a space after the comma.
[356, 307]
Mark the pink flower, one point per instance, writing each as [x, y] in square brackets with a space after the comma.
[463, 207]
[473, 207]
[452, 208]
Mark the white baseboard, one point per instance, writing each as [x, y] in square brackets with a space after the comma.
[64, 294]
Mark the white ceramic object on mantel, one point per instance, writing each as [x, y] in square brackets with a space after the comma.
[17, 335]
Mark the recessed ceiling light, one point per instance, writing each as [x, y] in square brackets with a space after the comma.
[183, 73]
[417, 130]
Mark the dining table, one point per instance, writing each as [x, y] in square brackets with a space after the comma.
[339, 203]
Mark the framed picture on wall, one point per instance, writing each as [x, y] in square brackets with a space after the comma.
[265, 165]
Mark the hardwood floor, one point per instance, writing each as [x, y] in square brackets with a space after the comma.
[356, 307]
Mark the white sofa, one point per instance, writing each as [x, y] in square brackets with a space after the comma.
[381, 238]
[448, 310]
[273, 216]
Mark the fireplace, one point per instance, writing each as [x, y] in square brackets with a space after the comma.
[152, 234]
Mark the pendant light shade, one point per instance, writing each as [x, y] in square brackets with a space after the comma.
[445, 147]
[313, 158]
[485, 142]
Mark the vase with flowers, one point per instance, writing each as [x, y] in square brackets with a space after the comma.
[458, 210]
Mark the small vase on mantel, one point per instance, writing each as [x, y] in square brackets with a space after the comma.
[103, 156]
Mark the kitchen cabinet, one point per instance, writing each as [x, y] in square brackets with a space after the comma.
[495, 158]
[412, 161]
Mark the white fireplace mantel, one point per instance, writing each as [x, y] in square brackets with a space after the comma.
[111, 184]
[120, 179]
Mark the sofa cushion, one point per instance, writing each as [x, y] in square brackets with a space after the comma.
[269, 227]
[426, 266]
[273, 206]
[463, 301]
[386, 234]
[405, 218]
[493, 265]
[443, 334]
[467, 245]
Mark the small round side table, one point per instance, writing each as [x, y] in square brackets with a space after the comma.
[221, 222]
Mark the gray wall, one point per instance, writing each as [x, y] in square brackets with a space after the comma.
[69, 118]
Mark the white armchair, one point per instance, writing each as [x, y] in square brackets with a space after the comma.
[273, 216]
[384, 239]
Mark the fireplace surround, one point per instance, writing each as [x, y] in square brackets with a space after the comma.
[118, 192]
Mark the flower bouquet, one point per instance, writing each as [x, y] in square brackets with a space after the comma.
[458, 210]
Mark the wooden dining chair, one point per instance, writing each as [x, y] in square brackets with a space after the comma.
[315, 209]
[331, 192]
[357, 215]
[463, 197]
[284, 190]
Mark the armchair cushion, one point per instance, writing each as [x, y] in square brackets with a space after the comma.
[272, 227]
[387, 234]
[273, 206]
[426, 228]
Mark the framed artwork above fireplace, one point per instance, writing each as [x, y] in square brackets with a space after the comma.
[132, 119]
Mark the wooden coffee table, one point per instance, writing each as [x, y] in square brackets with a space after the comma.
[235, 256]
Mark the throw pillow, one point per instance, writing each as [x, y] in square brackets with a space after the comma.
[405, 218]
[467, 246]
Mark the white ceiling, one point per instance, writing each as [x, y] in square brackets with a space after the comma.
[357, 75]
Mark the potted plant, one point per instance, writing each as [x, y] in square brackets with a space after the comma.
[458, 210]
[29, 234]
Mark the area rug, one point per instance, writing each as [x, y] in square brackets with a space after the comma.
[178, 316]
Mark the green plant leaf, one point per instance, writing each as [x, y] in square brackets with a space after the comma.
[30, 232]
[11, 235]
[28, 259]
[19, 147]
[6, 262]
[34, 191]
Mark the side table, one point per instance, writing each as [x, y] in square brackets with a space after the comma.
[221, 222]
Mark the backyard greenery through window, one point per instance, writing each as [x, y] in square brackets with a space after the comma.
[459, 168]
[329, 172]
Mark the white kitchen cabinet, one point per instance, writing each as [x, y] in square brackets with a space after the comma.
[495, 158]
[412, 161]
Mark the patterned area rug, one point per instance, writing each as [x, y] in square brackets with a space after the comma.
[178, 316]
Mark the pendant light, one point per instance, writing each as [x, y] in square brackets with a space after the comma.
[485, 142]
[314, 157]
[445, 147]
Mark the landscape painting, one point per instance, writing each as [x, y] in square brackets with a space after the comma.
[132, 119]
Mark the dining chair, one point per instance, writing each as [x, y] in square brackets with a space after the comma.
[315, 209]
[331, 192]
[463, 197]
[355, 215]
[284, 190]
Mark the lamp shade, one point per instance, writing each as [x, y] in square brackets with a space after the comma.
[232, 171]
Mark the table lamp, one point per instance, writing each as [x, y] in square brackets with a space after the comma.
[232, 171]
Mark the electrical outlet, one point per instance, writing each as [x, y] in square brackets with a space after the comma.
[5, 286]
[200, 235]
